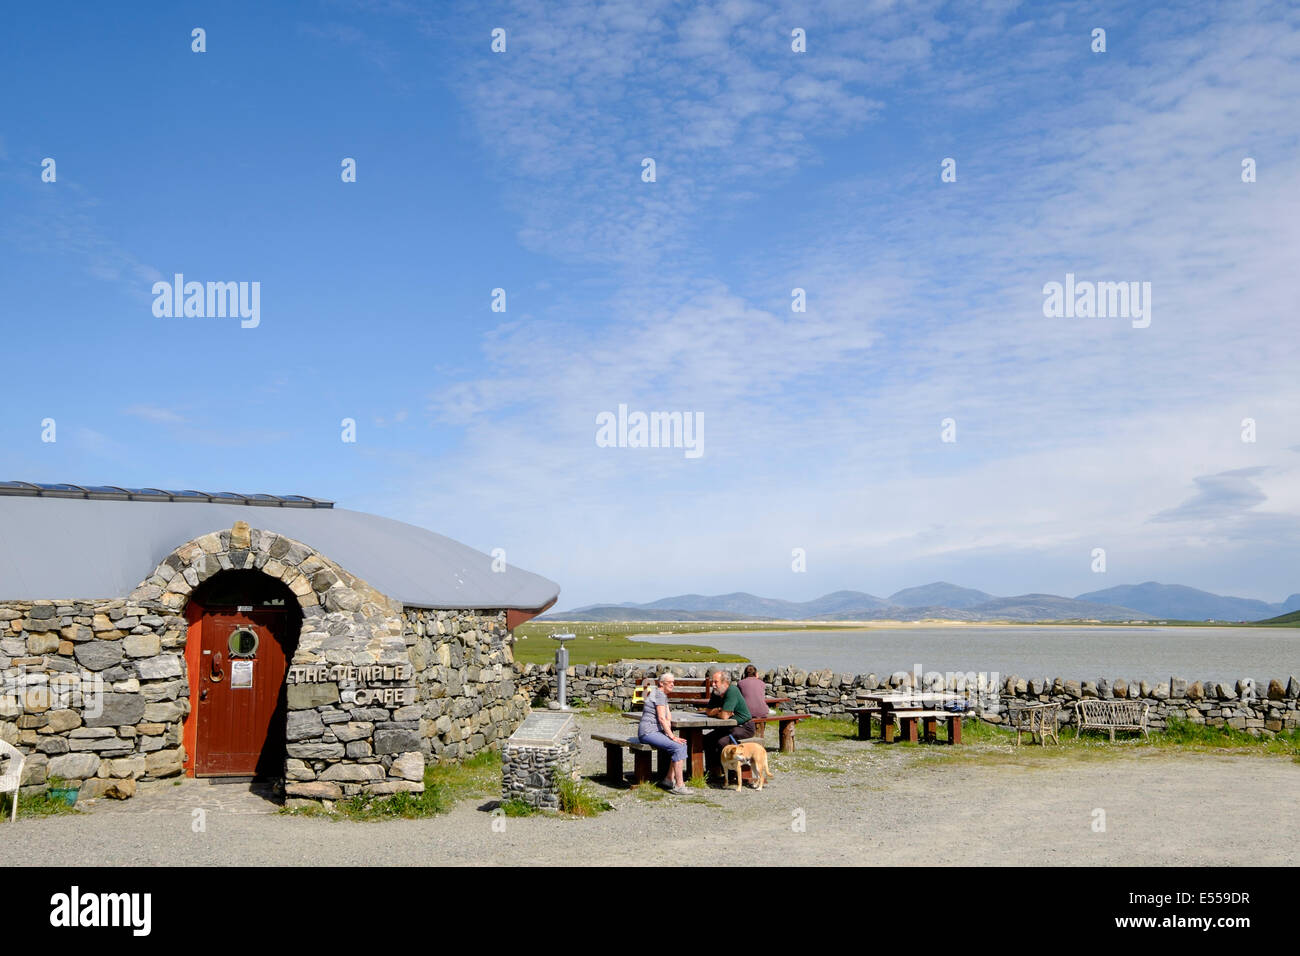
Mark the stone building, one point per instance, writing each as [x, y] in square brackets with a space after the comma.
[146, 634]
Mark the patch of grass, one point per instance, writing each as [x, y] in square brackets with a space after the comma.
[991, 745]
[445, 785]
[518, 808]
[974, 730]
[824, 729]
[577, 800]
[649, 791]
[1184, 733]
[406, 806]
[809, 763]
[479, 776]
[1102, 737]
[697, 783]
[41, 805]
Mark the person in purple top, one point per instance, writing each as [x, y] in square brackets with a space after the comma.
[754, 691]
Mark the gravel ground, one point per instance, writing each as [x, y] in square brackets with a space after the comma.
[859, 802]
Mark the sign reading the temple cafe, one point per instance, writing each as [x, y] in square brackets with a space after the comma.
[362, 684]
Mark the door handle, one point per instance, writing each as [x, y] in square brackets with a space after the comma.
[216, 674]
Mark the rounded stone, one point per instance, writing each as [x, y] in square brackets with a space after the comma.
[73, 766]
[98, 655]
[141, 645]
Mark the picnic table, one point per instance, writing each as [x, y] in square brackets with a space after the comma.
[784, 722]
[909, 708]
[689, 699]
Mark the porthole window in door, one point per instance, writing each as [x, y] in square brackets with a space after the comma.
[243, 643]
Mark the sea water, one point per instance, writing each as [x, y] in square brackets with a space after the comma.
[1152, 654]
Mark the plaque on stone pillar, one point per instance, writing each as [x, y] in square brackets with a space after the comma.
[544, 728]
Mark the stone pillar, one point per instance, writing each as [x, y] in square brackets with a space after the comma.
[537, 757]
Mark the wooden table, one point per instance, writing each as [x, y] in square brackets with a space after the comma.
[895, 704]
[692, 727]
[692, 701]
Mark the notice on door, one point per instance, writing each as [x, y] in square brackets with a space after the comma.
[241, 674]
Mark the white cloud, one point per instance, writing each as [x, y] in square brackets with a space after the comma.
[156, 414]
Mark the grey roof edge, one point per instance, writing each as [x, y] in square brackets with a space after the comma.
[33, 489]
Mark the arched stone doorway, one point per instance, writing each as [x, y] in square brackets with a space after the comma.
[243, 631]
[352, 643]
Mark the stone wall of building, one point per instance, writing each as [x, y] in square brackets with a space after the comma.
[93, 692]
[96, 691]
[1260, 710]
[468, 698]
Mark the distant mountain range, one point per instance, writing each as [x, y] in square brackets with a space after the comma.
[1129, 602]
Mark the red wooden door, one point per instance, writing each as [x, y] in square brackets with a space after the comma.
[241, 697]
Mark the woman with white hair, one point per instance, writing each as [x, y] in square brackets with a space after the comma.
[656, 729]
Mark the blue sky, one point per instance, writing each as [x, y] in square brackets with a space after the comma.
[775, 170]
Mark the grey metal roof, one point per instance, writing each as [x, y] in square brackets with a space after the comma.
[55, 547]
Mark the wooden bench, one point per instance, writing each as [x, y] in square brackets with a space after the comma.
[786, 722]
[907, 721]
[864, 715]
[614, 747]
[1112, 715]
[692, 692]
[694, 687]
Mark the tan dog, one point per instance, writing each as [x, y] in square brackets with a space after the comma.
[752, 753]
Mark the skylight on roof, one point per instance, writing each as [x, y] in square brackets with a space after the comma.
[30, 489]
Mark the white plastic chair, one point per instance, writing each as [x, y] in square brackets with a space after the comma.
[14, 777]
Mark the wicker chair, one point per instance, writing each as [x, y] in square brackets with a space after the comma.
[1037, 720]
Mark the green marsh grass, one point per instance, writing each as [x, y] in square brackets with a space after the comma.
[605, 642]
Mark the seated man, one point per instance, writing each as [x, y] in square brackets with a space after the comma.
[754, 691]
[732, 705]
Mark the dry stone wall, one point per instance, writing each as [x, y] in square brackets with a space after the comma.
[1244, 705]
[93, 692]
[468, 697]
